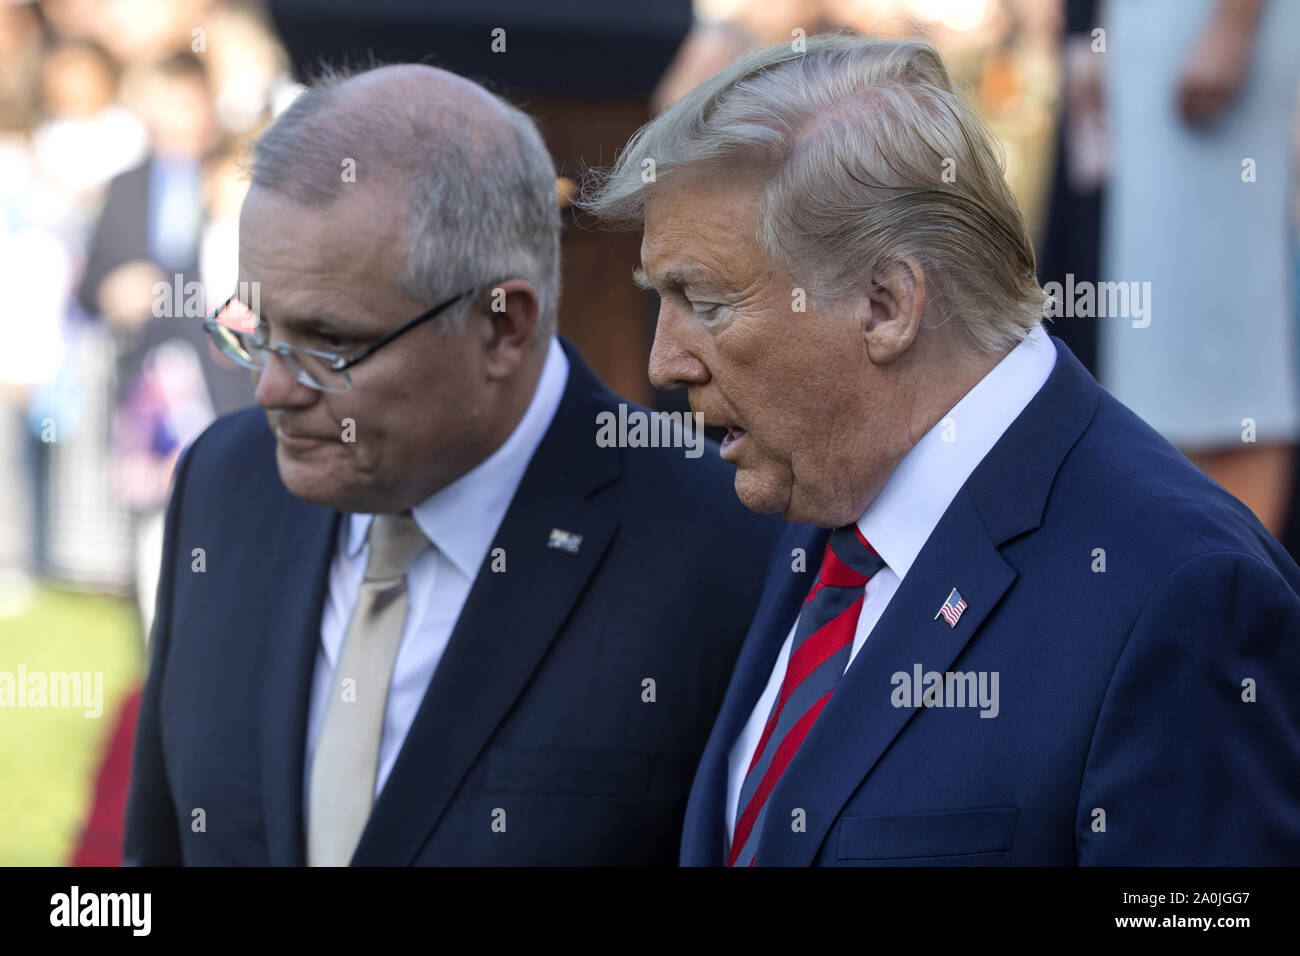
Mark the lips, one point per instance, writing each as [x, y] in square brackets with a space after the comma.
[734, 436]
[296, 441]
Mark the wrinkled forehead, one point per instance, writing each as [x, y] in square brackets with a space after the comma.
[307, 259]
[361, 229]
[700, 218]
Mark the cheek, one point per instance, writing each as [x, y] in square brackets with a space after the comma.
[784, 426]
[796, 445]
[365, 430]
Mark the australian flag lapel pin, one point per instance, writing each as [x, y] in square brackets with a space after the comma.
[952, 608]
[565, 541]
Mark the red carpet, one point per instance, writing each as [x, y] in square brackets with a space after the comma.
[101, 840]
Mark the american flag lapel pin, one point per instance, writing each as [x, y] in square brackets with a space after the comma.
[565, 541]
[952, 608]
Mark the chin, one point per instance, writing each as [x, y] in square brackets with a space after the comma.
[776, 494]
[823, 514]
[314, 494]
[759, 496]
[315, 484]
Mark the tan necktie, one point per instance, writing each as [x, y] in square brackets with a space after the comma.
[347, 751]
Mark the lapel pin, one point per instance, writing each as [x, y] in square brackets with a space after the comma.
[952, 608]
[565, 541]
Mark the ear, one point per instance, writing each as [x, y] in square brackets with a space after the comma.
[508, 315]
[897, 303]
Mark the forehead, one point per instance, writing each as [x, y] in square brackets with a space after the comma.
[701, 220]
[300, 254]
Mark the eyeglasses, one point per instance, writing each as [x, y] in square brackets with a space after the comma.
[323, 371]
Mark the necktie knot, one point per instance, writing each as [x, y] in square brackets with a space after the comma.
[395, 542]
[850, 560]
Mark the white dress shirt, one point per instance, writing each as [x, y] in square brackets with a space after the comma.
[461, 520]
[905, 512]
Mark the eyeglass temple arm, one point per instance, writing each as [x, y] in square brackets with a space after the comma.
[422, 317]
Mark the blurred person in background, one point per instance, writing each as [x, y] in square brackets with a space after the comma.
[20, 58]
[141, 264]
[153, 216]
[1070, 242]
[247, 67]
[31, 350]
[1199, 99]
[133, 31]
[86, 136]
[74, 137]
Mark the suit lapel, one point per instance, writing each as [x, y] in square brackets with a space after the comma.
[859, 722]
[506, 627]
[293, 629]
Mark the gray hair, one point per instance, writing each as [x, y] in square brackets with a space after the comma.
[857, 134]
[483, 205]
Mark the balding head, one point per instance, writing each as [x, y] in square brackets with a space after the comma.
[468, 171]
[377, 199]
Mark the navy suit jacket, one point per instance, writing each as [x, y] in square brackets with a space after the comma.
[539, 705]
[1126, 732]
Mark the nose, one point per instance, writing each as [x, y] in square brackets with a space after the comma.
[672, 365]
[276, 386]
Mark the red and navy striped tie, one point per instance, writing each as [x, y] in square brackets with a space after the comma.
[823, 640]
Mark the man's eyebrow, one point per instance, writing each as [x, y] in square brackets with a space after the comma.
[676, 277]
[315, 323]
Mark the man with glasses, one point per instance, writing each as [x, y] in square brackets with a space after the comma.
[423, 617]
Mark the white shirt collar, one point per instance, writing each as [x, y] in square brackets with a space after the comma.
[905, 512]
[462, 518]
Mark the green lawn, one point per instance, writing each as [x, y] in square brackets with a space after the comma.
[49, 756]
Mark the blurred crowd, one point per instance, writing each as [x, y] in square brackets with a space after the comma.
[122, 129]
[123, 125]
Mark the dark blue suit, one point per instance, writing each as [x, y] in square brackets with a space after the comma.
[538, 706]
[1120, 691]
